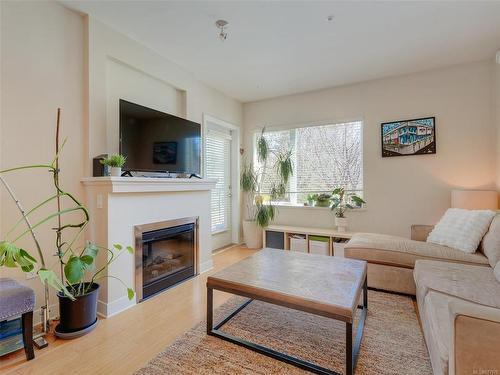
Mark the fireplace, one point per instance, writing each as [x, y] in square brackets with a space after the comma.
[166, 254]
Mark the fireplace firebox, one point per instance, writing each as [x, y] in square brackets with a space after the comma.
[166, 254]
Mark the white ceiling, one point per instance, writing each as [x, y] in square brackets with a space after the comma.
[284, 47]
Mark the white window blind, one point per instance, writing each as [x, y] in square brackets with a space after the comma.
[324, 157]
[217, 154]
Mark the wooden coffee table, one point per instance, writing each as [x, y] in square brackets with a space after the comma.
[317, 284]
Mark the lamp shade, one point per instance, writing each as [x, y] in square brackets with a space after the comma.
[474, 199]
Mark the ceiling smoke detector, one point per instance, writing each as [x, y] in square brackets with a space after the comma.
[221, 25]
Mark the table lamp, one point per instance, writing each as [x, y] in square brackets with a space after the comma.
[474, 199]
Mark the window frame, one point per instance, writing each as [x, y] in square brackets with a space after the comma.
[277, 128]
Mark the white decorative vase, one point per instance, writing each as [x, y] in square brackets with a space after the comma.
[115, 171]
[341, 223]
[252, 234]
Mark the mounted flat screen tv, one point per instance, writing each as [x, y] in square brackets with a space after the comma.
[155, 141]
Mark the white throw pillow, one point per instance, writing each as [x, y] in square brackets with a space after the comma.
[461, 229]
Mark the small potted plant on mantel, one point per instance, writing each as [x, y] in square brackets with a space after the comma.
[341, 202]
[260, 208]
[115, 163]
[77, 285]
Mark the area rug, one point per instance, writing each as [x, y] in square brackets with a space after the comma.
[392, 341]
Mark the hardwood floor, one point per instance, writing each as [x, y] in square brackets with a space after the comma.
[124, 343]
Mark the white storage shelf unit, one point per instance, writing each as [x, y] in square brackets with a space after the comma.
[279, 236]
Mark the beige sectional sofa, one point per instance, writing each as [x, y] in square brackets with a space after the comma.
[391, 259]
[459, 308]
[458, 294]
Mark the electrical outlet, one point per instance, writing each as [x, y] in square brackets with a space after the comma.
[31, 275]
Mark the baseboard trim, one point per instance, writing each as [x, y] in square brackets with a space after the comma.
[107, 310]
[206, 266]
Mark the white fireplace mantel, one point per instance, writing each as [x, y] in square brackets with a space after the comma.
[148, 184]
[118, 204]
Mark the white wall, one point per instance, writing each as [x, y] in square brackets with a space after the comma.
[125, 82]
[42, 69]
[54, 57]
[122, 68]
[113, 59]
[400, 191]
[496, 105]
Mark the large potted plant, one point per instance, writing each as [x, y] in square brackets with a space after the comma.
[260, 209]
[76, 286]
[79, 311]
[341, 202]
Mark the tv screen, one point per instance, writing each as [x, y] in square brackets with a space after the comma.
[155, 141]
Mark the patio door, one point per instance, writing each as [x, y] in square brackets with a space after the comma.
[218, 166]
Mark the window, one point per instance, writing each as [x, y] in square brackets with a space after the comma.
[324, 157]
[217, 151]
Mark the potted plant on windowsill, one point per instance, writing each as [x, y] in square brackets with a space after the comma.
[311, 199]
[323, 200]
[260, 208]
[115, 163]
[341, 202]
[77, 285]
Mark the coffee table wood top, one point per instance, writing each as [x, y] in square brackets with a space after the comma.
[322, 285]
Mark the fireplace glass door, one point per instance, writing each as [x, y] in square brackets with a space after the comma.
[167, 257]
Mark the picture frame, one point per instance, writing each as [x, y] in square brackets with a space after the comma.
[408, 137]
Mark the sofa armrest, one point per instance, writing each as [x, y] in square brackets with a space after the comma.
[420, 232]
[475, 339]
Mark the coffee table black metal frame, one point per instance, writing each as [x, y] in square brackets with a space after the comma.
[352, 351]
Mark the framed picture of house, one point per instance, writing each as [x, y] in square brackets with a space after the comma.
[165, 152]
[409, 137]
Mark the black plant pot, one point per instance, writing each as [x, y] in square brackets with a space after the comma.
[80, 314]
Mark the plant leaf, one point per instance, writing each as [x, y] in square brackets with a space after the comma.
[87, 259]
[357, 200]
[130, 249]
[91, 249]
[74, 270]
[12, 256]
[28, 268]
[117, 246]
[338, 191]
[262, 148]
[130, 293]
[53, 281]
[26, 255]
[248, 179]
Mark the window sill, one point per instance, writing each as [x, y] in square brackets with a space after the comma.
[287, 205]
[220, 231]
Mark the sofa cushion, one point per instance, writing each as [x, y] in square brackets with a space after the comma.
[473, 283]
[398, 251]
[462, 229]
[491, 242]
[436, 323]
[496, 271]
